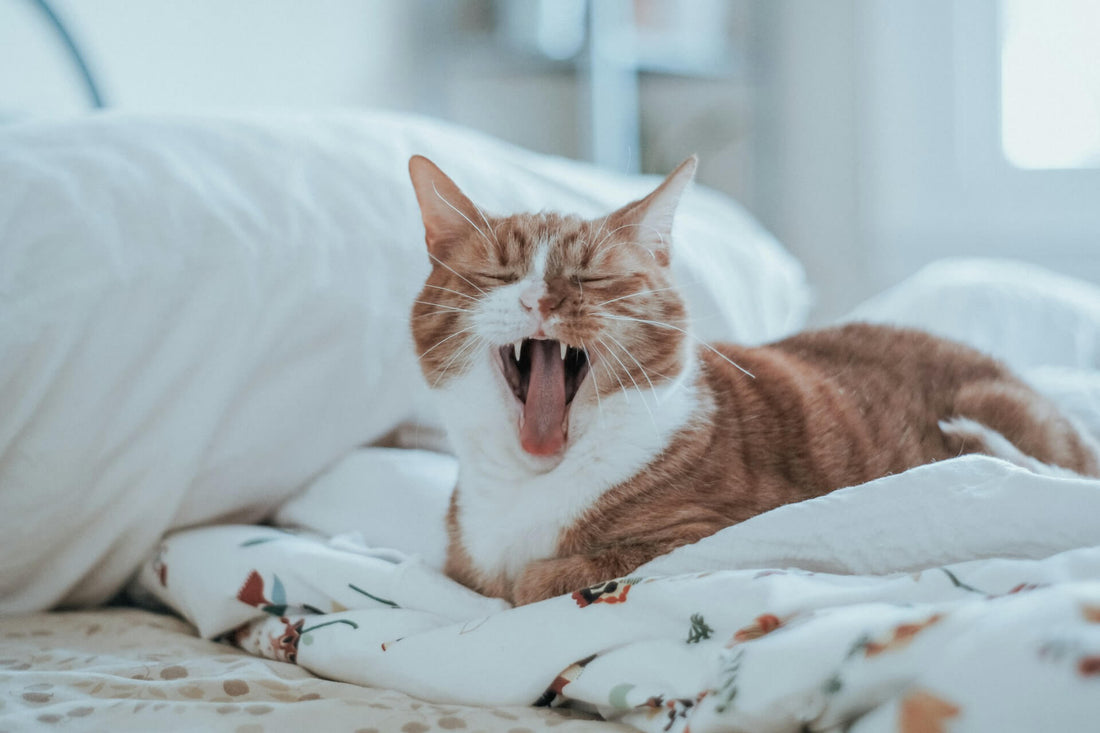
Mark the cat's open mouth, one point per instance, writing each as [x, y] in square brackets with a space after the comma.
[544, 375]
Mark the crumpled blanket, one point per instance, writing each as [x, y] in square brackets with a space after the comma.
[961, 596]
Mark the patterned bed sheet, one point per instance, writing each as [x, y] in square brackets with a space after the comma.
[124, 669]
[959, 596]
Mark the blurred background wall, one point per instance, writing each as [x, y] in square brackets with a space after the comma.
[871, 136]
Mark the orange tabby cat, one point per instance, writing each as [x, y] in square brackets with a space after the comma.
[593, 433]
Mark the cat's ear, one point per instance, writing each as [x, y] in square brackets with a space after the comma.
[650, 219]
[448, 215]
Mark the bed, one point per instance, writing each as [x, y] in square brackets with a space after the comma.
[222, 485]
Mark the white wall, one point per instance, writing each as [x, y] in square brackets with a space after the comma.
[935, 179]
[847, 142]
[198, 55]
[807, 170]
[879, 148]
[202, 55]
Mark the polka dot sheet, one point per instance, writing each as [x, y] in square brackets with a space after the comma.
[124, 669]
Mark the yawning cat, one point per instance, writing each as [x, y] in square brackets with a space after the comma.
[594, 433]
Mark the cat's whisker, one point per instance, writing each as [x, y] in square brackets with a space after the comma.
[638, 363]
[439, 287]
[633, 295]
[430, 314]
[485, 219]
[444, 306]
[599, 245]
[457, 211]
[685, 320]
[446, 339]
[629, 243]
[658, 232]
[610, 371]
[603, 225]
[595, 383]
[444, 264]
[690, 335]
[469, 346]
[629, 376]
[607, 371]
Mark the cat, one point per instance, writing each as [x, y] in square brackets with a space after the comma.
[594, 433]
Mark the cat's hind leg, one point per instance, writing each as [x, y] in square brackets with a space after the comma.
[1010, 421]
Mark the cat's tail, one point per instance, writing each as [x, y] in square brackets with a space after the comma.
[1013, 422]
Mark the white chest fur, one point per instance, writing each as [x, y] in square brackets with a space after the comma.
[512, 507]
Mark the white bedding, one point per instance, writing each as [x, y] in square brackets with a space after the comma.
[198, 315]
[962, 595]
[687, 634]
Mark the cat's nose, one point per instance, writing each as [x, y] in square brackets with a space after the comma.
[531, 294]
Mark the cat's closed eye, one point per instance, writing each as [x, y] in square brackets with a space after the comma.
[500, 277]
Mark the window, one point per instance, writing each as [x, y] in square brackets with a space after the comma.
[956, 158]
[1050, 83]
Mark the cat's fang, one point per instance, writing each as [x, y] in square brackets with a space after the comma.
[518, 346]
[564, 349]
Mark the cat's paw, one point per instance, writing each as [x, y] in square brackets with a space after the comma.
[557, 576]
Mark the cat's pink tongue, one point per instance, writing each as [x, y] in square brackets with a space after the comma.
[542, 429]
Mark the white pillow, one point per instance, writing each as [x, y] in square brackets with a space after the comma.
[1020, 313]
[198, 315]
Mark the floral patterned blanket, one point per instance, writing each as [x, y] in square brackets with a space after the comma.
[962, 596]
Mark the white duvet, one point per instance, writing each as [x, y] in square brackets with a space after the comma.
[733, 633]
[958, 596]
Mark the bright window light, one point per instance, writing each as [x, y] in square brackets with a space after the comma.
[1050, 83]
